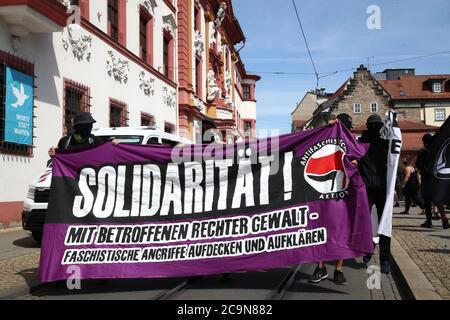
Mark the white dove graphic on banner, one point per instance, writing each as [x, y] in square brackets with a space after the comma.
[20, 96]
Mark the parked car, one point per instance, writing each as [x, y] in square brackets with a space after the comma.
[36, 202]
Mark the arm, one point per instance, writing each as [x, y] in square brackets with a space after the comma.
[407, 176]
[61, 144]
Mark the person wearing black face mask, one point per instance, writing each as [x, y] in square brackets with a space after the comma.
[82, 136]
[373, 169]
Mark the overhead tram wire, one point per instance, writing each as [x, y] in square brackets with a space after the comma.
[389, 62]
[307, 45]
[328, 74]
[413, 58]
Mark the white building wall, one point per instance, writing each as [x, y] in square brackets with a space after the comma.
[98, 14]
[247, 109]
[53, 63]
[5, 37]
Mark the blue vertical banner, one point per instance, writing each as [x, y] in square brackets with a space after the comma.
[19, 107]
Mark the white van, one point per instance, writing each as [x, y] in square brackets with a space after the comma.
[36, 202]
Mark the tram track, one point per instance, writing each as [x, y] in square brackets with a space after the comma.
[256, 285]
[214, 288]
[285, 284]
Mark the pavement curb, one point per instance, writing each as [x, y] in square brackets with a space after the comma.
[10, 229]
[411, 277]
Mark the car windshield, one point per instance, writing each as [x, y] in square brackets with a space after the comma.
[123, 139]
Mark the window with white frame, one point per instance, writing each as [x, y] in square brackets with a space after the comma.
[374, 107]
[357, 108]
[439, 115]
[437, 87]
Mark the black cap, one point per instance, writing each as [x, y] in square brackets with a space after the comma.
[83, 118]
[374, 119]
[346, 120]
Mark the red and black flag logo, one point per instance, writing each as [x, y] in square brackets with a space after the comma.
[325, 170]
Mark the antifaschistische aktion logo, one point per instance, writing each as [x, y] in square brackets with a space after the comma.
[325, 170]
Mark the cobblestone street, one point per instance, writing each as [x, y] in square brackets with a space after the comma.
[19, 259]
[429, 249]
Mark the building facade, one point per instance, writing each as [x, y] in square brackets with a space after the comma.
[127, 62]
[414, 98]
[424, 98]
[360, 97]
[306, 107]
[213, 82]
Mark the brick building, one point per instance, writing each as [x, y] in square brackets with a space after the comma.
[414, 98]
[213, 81]
[359, 96]
[424, 98]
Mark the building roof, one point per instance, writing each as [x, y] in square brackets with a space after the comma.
[333, 97]
[412, 141]
[252, 76]
[300, 103]
[412, 134]
[414, 87]
[405, 126]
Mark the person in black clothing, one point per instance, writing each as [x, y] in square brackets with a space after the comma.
[411, 187]
[82, 136]
[373, 169]
[321, 272]
[425, 171]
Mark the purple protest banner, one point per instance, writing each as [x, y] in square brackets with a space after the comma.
[153, 212]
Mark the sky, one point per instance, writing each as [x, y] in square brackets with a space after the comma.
[339, 39]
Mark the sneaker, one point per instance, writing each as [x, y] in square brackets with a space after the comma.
[397, 205]
[445, 223]
[319, 275]
[367, 259]
[339, 278]
[385, 267]
[427, 225]
[436, 216]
